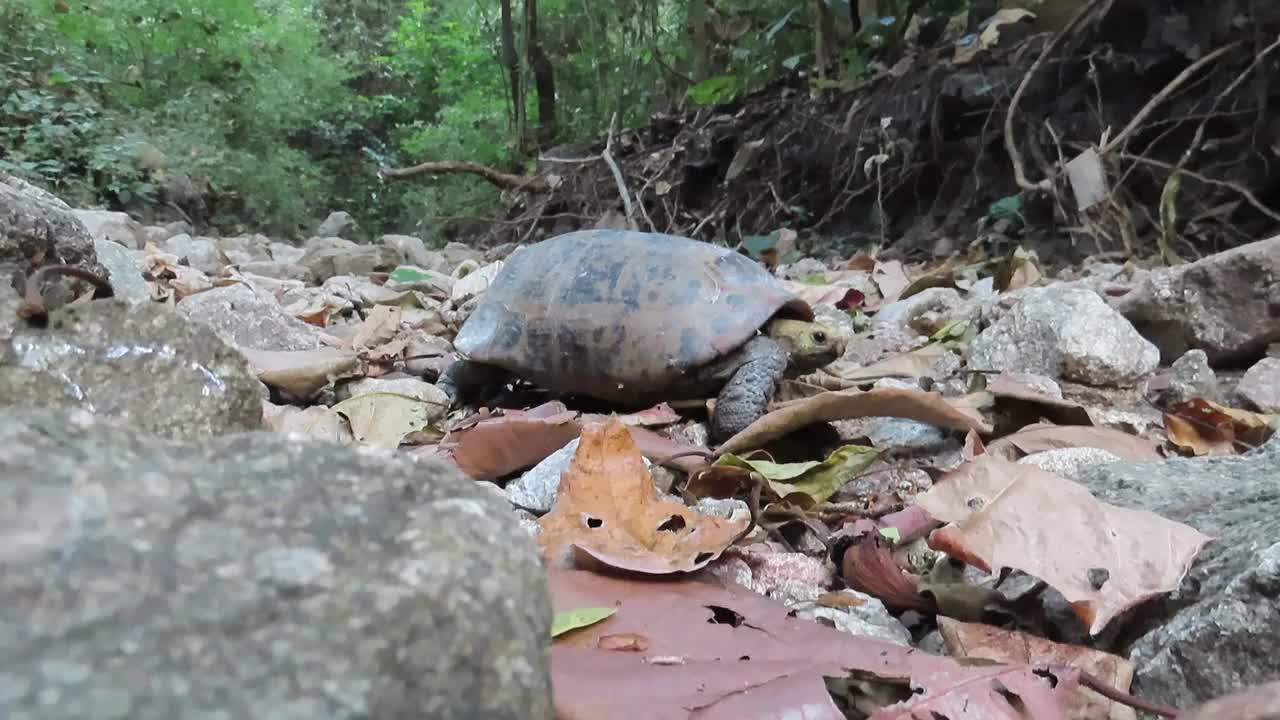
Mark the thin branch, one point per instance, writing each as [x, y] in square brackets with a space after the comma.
[1164, 93]
[503, 180]
[1244, 192]
[617, 174]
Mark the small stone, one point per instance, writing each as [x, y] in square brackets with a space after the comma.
[1260, 386]
[200, 253]
[124, 270]
[1192, 378]
[341, 224]
[802, 269]
[412, 248]
[286, 253]
[926, 312]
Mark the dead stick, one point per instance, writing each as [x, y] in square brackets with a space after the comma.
[617, 174]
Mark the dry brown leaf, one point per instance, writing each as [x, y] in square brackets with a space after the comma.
[925, 407]
[318, 422]
[302, 373]
[995, 692]
[892, 279]
[1021, 405]
[660, 414]
[717, 651]
[382, 324]
[1041, 437]
[1207, 428]
[973, 640]
[913, 365]
[1104, 559]
[841, 296]
[490, 445]
[608, 507]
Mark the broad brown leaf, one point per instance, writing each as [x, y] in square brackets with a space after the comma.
[1104, 559]
[608, 507]
[302, 373]
[1041, 437]
[925, 407]
[973, 640]
[1207, 428]
[985, 693]
[716, 651]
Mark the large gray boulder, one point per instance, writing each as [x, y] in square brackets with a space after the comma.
[1224, 304]
[249, 318]
[1217, 632]
[256, 576]
[37, 228]
[146, 365]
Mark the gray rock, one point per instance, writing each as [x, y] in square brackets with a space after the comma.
[341, 224]
[257, 576]
[286, 253]
[1219, 635]
[868, 618]
[200, 253]
[124, 270]
[1069, 462]
[278, 270]
[333, 256]
[926, 312]
[114, 226]
[1069, 333]
[36, 224]
[1192, 378]
[10, 301]
[411, 248]
[1223, 304]
[142, 364]
[241, 249]
[1260, 386]
[452, 255]
[801, 269]
[249, 319]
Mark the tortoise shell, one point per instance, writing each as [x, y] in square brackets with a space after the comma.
[622, 316]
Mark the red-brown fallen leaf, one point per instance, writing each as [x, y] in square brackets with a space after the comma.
[1043, 436]
[925, 407]
[860, 261]
[975, 640]
[382, 324]
[844, 298]
[660, 414]
[609, 508]
[1207, 428]
[1104, 559]
[1009, 692]
[913, 365]
[1261, 702]
[489, 445]
[717, 651]
[869, 567]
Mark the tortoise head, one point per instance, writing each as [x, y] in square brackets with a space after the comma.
[810, 344]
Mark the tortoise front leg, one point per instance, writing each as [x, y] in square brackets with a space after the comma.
[745, 396]
[464, 378]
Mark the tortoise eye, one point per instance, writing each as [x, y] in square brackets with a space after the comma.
[820, 337]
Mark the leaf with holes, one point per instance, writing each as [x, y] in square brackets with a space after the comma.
[609, 509]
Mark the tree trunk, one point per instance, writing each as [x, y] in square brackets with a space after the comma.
[512, 61]
[544, 78]
[824, 35]
[699, 40]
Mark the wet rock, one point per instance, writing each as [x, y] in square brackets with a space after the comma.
[412, 249]
[37, 224]
[926, 312]
[142, 364]
[1068, 333]
[200, 253]
[257, 575]
[341, 224]
[1224, 304]
[1192, 378]
[114, 226]
[249, 319]
[1208, 637]
[278, 270]
[1260, 386]
[328, 257]
[123, 270]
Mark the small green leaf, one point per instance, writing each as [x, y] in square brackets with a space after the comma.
[715, 90]
[1007, 207]
[892, 534]
[791, 62]
[567, 620]
[407, 274]
[818, 480]
[815, 279]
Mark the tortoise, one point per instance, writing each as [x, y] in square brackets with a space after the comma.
[635, 318]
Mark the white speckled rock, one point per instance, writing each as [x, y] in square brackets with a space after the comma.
[1068, 333]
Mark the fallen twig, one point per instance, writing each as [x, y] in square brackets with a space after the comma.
[617, 174]
[503, 180]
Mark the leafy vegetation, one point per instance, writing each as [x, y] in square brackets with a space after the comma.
[266, 114]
